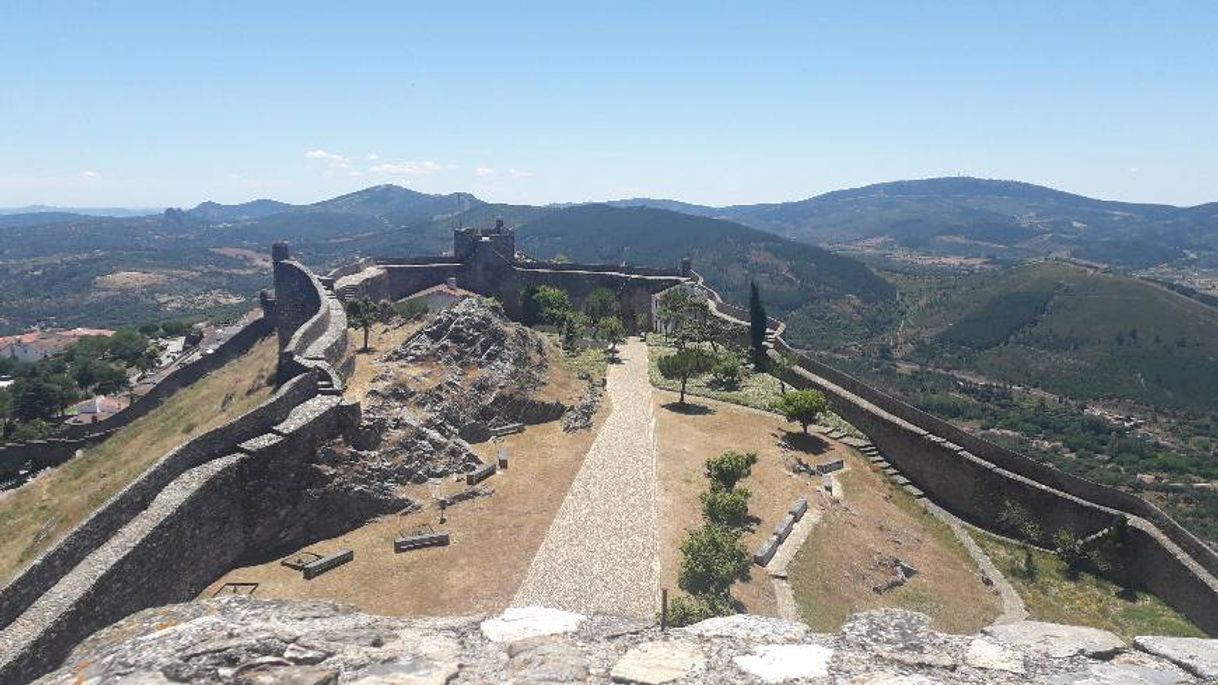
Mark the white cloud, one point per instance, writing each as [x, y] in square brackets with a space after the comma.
[484, 171]
[90, 174]
[411, 168]
[372, 157]
[335, 161]
[519, 173]
[354, 173]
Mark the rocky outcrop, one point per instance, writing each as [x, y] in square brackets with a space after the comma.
[243, 640]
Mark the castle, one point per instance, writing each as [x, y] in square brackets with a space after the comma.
[487, 262]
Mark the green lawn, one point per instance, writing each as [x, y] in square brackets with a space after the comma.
[1089, 600]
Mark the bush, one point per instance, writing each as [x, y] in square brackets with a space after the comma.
[713, 557]
[729, 468]
[726, 372]
[410, 310]
[802, 406]
[726, 507]
[684, 611]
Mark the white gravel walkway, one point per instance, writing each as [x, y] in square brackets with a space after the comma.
[601, 554]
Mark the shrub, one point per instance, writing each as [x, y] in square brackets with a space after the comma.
[685, 364]
[713, 557]
[729, 468]
[726, 507]
[410, 310]
[802, 406]
[684, 611]
[726, 372]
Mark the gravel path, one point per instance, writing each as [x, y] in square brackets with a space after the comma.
[601, 554]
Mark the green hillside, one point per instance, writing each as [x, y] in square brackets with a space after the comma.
[799, 282]
[1078, 332]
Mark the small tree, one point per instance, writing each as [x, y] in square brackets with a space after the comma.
[757, 325]
[552, 305]
[601, 303]
[780, 366]
[729, 468]
[362, 312]
[612, 331]
[726, 371]
[685, 364]
[713, 557]
[1019, 521]
[574, 326]
[802, 406]
[726, 507]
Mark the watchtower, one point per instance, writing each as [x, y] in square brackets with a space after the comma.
[500, 238]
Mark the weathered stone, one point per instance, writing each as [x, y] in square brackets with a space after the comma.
[1196, 655]
[748, 627]
[990, 655]
[521, 623]
[410, 672]
[287, 675]
[303, 655]
[661, 661]
[1112, 674]
[778, 663]
[547, 660]
[1056, 640]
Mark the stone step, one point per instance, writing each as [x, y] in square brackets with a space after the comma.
[890, 471]
[913, 490]
[899, 480]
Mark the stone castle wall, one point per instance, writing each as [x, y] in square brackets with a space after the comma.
[199, 510]
[40, 454]
[974, 479]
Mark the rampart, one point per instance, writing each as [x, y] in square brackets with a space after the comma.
[40, 454]
[976, 479]
[200, 509]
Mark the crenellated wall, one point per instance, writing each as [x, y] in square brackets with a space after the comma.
[202, 507]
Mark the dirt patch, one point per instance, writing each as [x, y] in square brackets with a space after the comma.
[686, 437]
[493, 539]
[258, 260]
[131, 280]
[380, 339]
[857, 545]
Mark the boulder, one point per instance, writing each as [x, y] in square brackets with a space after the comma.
[1198, 656]
[778, 663]
[521, 623]
[657, 662]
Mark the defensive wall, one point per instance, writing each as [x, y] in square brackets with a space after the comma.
[231, 496]
[486, 263]
[975, 479]
[36, 455]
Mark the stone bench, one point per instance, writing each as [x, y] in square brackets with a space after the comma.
[783, 528]
[479, 474]
[799, 508]
[766, 551]
[463, 496]
[315, 568]
[405, 543]
[507, 429]
[830, 466]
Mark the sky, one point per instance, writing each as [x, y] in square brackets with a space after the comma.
[153, 104]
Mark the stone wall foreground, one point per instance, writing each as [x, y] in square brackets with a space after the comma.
[229, 495]
[282, 641]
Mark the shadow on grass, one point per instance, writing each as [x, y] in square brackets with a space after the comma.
[805, 442]
[688, 408]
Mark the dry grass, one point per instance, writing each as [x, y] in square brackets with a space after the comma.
[687, 438]
[493, 539]
[381, 339]
[1089, 600]
[35, 516]
[845, 557]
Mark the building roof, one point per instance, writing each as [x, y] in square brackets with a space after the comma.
[442, 288]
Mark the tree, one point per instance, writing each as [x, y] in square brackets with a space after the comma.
[550, 304]
[612, 331]
[127, 346]
[681, 313]
[726, 371]
[802, 406]
[713, 557]
[780, 366]
[574, 326]
[685, 364]
[729, 468]
[362, 312]
[728, 508]
[110, 380]
[758, 322]
[601, 303]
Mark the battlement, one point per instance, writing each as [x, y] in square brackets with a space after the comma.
[499, 238]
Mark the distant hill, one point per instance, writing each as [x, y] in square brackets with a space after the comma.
[1007, 220]
[80, 211]
[1075, 331]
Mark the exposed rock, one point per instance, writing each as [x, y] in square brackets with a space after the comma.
[245, 640]
[1057, 641]
[778, 663]
[1198, 656]
[521, 623]
[748, 627]
[989, 655]
[660, 661]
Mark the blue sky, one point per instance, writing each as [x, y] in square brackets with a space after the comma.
[152, 104]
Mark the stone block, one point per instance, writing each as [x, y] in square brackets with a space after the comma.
[783, 528]
[766, 551]
[327, 563]
[479, 474]
[408, 542]
[799, 508]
